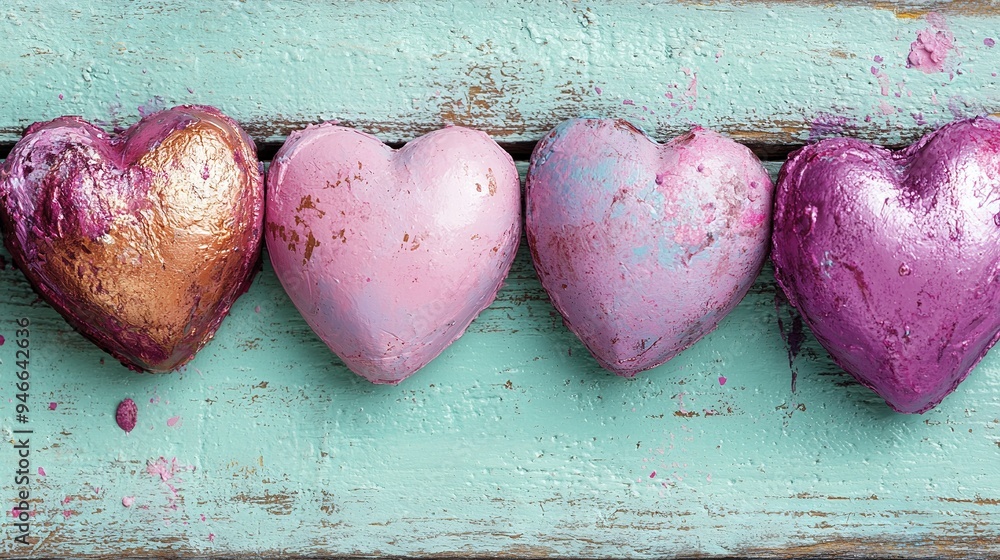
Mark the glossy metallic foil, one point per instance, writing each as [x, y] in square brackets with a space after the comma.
[142, 241]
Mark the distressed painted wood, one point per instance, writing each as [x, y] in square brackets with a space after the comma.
[764, 73]
[513, 442]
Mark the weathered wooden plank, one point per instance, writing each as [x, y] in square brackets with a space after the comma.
[769, 74]
[512, 443]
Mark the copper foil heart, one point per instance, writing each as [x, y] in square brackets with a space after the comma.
[143, 240]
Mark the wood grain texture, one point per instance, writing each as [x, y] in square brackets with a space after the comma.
[513, 443]
[772, 75]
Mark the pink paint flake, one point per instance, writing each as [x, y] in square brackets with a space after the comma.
[52, 406]
[41, 471]
[66, 500]
[989, 42]
[165, 469]
[127, 501]
[598, 90]
[628, 102]
[67, 513]
[126, 415]
[652, 474]
[877, 59]
[722, 380]
[2, 340]
[211, 537]
[929, 52]
[61, 97]
[173, 420]
[16, 513]
[874, 71]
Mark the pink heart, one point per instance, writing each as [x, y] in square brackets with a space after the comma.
[141, 241]
[644, 248]
[389, 255]
[892, 257]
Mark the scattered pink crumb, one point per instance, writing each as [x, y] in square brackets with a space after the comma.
[126, 415]
[989, 42]
[722, 380]
[60, 97]
[127, 501]
[172, 421]
[2, 340]
[929, 51]
[16, 512]
[65, 500]
[52, 406]
[211, 537]
[41, 471]
[203, 517]
[628, 102]
[67, 513]
[877, 58]
[598, 90]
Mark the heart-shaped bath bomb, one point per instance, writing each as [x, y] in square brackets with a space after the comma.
[892, 257]
[643, 247]
[143, 240]
[389, 255]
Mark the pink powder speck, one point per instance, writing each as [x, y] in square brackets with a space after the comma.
[878, 59]
[61, 97]
[52, 406]
[172, 421]
[66, 500]
[67, 513]
[127, 501]
[874, 71]
[652, 474]
[16, 512]
[2, 340]
[41, 471]
[989, 42]
[628, 102]
[126, 415]
[929, 51]
[598, 90]
[722, 380]
[211, 537]
[203, 517]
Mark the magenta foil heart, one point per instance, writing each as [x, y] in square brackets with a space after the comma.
[643, 248]
[892, 257]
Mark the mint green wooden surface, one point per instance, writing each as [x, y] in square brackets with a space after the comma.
[513, 442]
